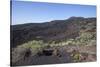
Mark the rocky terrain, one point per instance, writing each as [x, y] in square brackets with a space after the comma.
[59, 41]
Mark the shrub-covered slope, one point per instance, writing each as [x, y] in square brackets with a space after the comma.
[57, 30]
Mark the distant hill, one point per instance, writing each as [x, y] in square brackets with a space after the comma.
[57, 30]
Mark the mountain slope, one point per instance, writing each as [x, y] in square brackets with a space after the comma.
[56, 30]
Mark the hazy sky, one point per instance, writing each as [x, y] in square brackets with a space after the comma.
[28, 12]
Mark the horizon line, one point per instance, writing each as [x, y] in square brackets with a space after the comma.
[53, 20]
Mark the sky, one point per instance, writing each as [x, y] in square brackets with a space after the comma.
[38, 12]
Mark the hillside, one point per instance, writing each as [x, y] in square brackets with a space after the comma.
[57, 30]
[59, 41]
